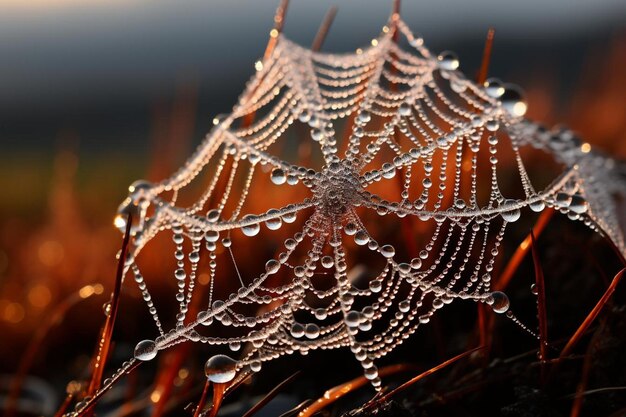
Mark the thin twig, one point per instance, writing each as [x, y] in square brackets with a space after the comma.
[107, 331]
[417, 378]
[484, 67]
[202, 401]
[270, 395]
[320, 37]
[592, 315]
[541, 306]
[577, 404]
[279, 22]
[333, 394]
[522, 250]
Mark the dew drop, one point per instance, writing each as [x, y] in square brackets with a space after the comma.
[537, 206]
[213, 215]
[493, 87]
[321, 313]
[327, 262]
[361, 237]
[387, 251]
[353, 318]
[376, 285]
[533, 289]
[364, 116]
[448, 60]
[146, 350]
[180, 274]
[513, 101]
[578, 204]
[350, 229]
[275, 223]
[311, 331]
[212, 236]
[499, 302]
[220, 369]
[404, 109]
[126, 208]
[297, 330]
[511, 215]
[278, 176]
[272, 266]
[251, 229]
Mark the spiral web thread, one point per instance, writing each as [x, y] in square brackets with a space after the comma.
[419, 127]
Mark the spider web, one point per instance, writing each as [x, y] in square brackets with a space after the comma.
[424, 147]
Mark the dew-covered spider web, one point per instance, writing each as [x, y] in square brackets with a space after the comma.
[426, 150]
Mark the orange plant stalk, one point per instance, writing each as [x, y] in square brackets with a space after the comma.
[107, 331]
[333, 394]
[592, 315]
[541, 307]
[407, 384]
[274, 392]
[522, 250]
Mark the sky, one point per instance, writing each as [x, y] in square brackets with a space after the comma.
[78, 63]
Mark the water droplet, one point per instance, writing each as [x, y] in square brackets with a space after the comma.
[499, 302]
[311, 331]
[364, 116]
[353, 318]
[361, 237]
[578, 204]
[255, 366]
[297, 330]
[127, 207]
[387, 251]
[404, 109]
[180, 274]
[533, 289]
[146, 350]
[448, 61]
[272, 266]
[350, 229]
[513, 101]
[276, 222]
[493, 87]
[459, 203]
[513, 214]
[537, 206]
[492, 125]
[212, 236]
[320, 313]
[220, 369]
[213, 215]
[278, 176]
[327, 262]
[251, 229]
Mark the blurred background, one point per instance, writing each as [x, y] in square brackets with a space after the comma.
[95, 94]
